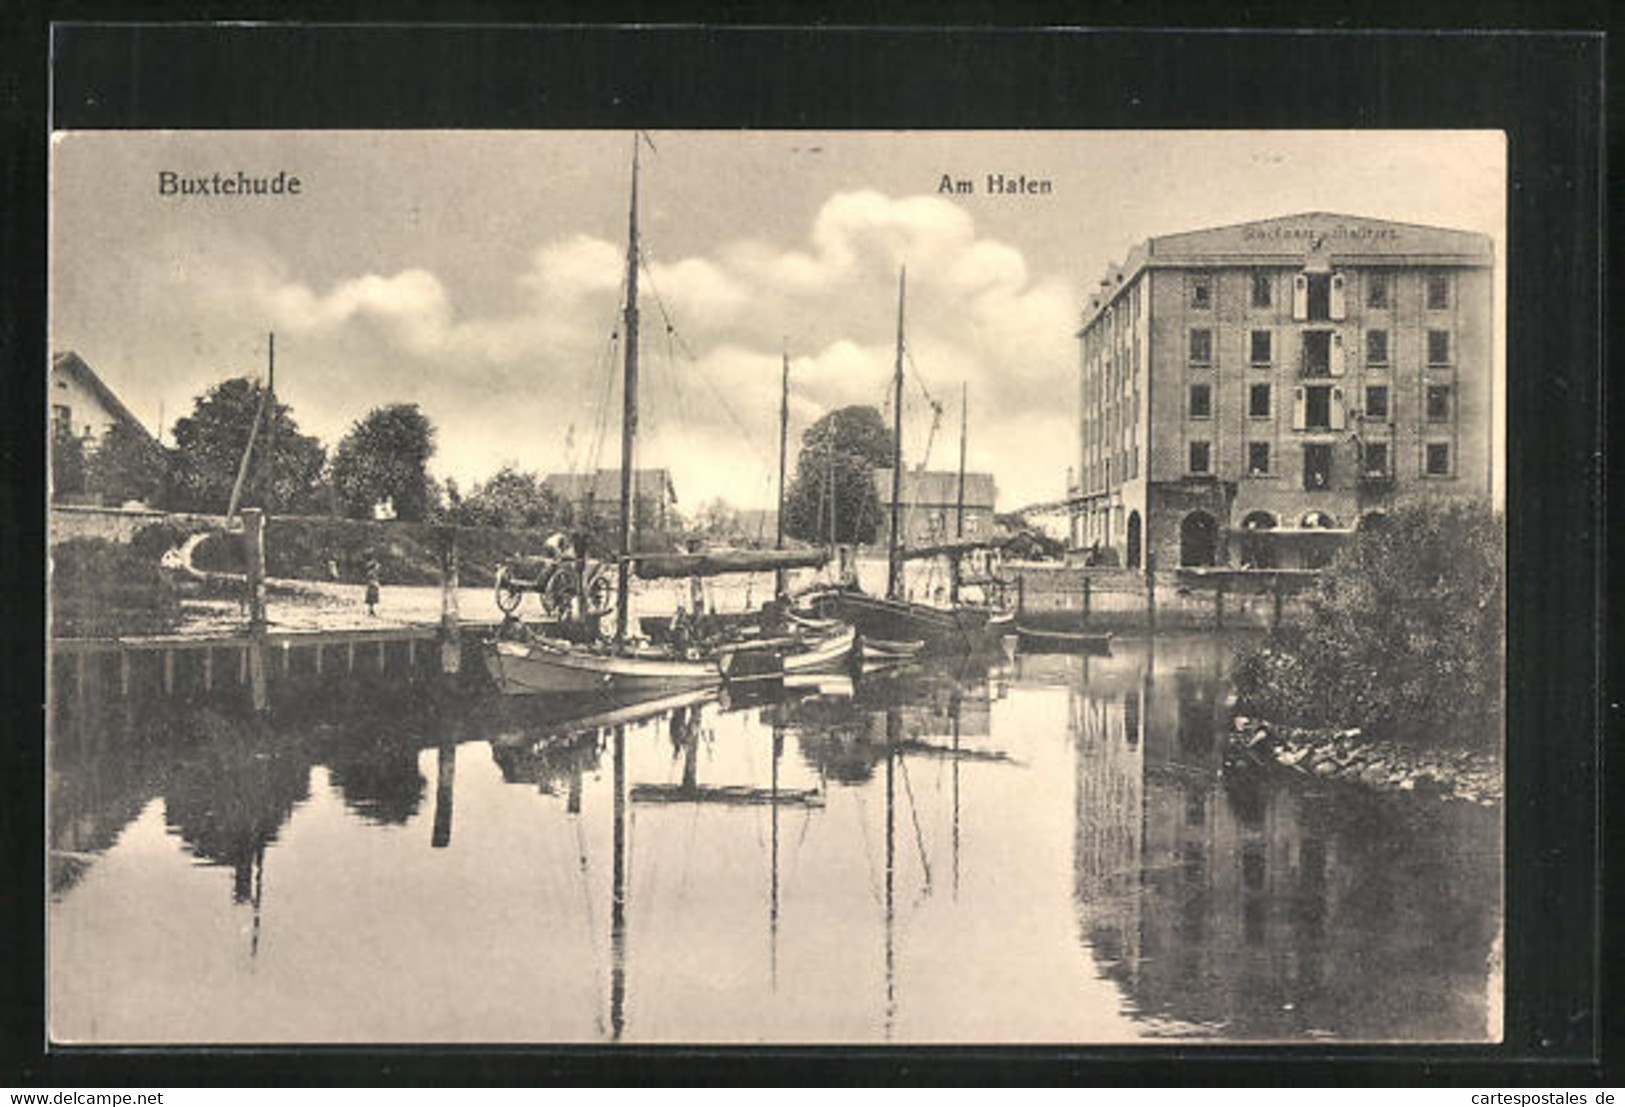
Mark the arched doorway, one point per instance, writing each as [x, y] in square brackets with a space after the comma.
[1257, 551]
[1134, 540]
[1198, 539]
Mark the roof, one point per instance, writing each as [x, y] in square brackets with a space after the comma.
[1290, 240]
[937, 487]
[71, 364]
[605, 484]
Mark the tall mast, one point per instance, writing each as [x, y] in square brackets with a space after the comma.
[629, 408]
[829, 480]
[894, 566]
[959, 506]
[269, 467]
[780, 577]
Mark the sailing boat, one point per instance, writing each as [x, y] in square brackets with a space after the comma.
[542, 665]
[959, 626]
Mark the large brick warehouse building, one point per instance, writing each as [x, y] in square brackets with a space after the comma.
[1250, 393]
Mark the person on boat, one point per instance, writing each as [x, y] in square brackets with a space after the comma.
[373, 573]
[775, 619]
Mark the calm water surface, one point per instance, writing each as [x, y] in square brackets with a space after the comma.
[1043, 850]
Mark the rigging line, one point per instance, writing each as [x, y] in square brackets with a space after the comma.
[868, 849]
[675, 335]
[914, 816]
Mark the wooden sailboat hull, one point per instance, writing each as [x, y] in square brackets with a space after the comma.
[1039, 640]
[557, 668]
[548, 668]
[961, 629]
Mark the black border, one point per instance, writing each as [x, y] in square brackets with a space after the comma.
[1544, 89]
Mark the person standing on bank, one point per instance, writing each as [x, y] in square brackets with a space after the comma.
[372, 587]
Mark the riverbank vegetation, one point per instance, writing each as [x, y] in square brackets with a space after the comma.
[1403, 636]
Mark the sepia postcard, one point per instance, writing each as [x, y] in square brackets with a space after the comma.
[779, 587]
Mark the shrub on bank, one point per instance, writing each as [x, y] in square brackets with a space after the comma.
[1403, 635]
[101, 588]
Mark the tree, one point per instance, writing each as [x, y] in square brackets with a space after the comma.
[385, 456]
[511, 499]
[67, 465]
[209, 447]
[127, 465]
[853, 442]
[1401, 635]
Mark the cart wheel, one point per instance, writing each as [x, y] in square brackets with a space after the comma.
[559, 591]
[600, 592]
[508, 593]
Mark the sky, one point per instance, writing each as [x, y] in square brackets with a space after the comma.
[479, 275]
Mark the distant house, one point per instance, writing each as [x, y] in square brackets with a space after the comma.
[82, 406]
[84, 409]
[930, 502]
[600, 492]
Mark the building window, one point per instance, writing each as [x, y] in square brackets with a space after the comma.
[1261, 290]
[1200, 457]
[1317, 353]
[1376, 459]
[1258, 458]
[1317, 466]
[61, 421]
[1376, 347]
[1262, 347]
[1258, 401]
[1201, 346]
[1376, 290]
[1438, 285]
[1318, 408]
[1376, 401]
[1438, 459]
[1438, 347]
[1201, 401]
[1201, 291]
[1438, 403]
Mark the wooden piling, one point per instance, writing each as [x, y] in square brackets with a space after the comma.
[169, 672]
[1150, 590]
[1021, 594]
[451, 635]
[1086, 603]
[1218, 606]
[254, 548]
[318, 659]
[1276, 617]
[287, 660]
[124, 672]
[208, 668]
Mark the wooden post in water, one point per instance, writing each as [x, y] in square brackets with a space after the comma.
[254, 548]
[1275, 623]
[445, 778]
[1086, 586]
[451, 637]
[1021, 594]
[1150, 590]
[1218, 606]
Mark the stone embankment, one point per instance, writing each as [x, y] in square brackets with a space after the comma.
[1347, 757]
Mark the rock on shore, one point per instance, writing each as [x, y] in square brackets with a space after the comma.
[1348, 757]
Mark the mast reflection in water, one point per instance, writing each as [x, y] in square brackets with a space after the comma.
[1038, 851]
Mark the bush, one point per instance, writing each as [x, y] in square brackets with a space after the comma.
[1403, 635]
[100, 588]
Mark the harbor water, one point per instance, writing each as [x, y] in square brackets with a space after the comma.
[1030, 848]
